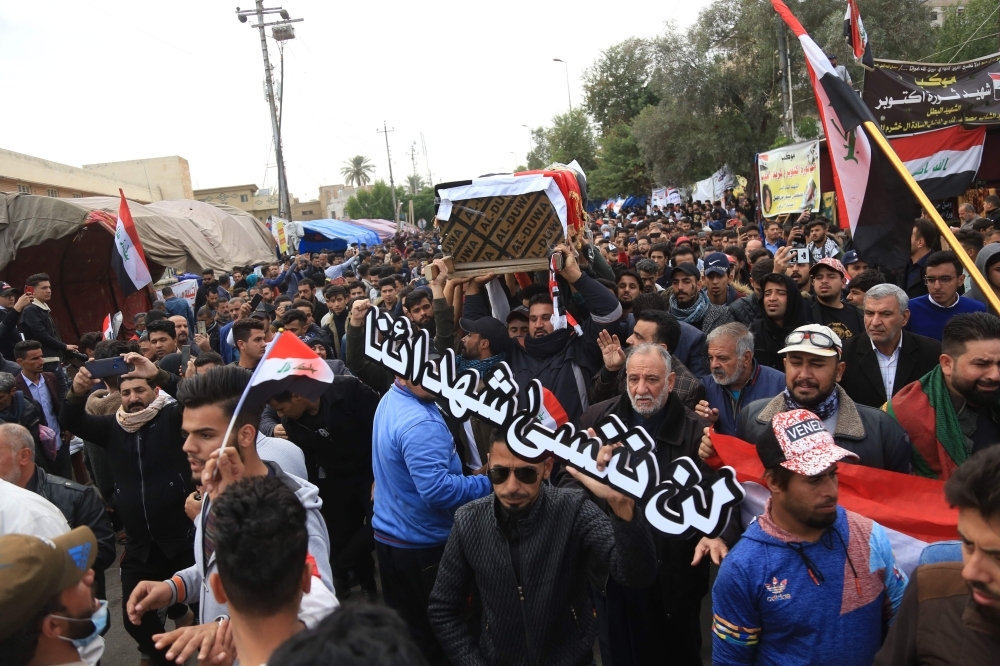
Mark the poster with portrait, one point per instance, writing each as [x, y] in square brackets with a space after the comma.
[789, 179]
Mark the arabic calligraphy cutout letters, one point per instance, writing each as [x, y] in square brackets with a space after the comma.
[683, 507]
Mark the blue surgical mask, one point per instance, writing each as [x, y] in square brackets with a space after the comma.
[99, 619]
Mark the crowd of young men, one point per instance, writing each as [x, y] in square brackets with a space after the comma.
[690, 323]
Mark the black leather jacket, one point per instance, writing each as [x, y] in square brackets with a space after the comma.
[81, 505]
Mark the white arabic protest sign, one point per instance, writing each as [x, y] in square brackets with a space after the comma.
[674, 501]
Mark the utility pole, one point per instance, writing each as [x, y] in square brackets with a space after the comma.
[413, 158]
[392, 183]
[282, 31]
[786, 104]
[427, 163]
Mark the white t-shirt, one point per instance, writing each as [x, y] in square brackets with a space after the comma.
[25, 512]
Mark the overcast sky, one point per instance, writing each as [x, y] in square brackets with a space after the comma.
[92, 81]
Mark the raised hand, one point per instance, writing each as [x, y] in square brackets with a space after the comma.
[611, 350]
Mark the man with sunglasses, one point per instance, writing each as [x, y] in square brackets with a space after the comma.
[929, 313]
[549, 542]
[813, 366]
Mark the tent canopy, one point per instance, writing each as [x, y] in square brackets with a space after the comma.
[335, 235]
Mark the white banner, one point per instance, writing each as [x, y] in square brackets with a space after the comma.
[673, 196]
[659, 197]
[186, 289]
[714, 187]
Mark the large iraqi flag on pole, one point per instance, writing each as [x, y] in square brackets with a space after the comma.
[857, 38]
[871, 195]
[943, 161]
[128, 259]
[912, 509]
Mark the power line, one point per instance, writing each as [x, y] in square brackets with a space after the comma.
[977, 30]
[962, 46]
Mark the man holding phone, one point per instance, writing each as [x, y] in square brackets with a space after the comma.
[37, 323]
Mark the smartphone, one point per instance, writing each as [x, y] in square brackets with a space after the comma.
[185, 357]
[632, 239]
[108, 367]
[29, 290]
[255, 301]
[200, 327]
[560, 261]
[800, 255]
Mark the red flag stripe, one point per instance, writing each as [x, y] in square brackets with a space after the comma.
[126, 216]
[909, 504]
[916, 146]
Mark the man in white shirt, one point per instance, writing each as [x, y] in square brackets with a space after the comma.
[25, 512]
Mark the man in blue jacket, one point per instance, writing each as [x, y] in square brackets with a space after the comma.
[418, 487]
[809, 582]
[736, 379]
[178, 306]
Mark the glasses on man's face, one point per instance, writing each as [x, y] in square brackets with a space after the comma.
[499, 475]
[943, 279]
[821, 340]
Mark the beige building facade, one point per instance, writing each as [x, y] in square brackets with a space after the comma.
[259, 203]
[144, 181]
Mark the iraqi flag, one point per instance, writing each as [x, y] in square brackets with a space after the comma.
[857, 38]
[912, 509]
[871, 195]
[288, 364]
[128, 259]
[944, 161]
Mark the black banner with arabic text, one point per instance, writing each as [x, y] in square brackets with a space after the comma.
[907, 97]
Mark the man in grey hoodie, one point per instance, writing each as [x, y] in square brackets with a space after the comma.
[209, 402]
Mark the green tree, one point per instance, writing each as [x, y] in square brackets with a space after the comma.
[415, 182]
[969, 35]
[720, 87]
[357, 171]
[571, 137]
[539, 157]
[617, 86]
[374, 203]
[423, 205]
[620, 167]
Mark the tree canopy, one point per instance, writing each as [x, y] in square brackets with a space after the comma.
[357, 171]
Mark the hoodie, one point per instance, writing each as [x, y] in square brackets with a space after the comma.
[191, 584]
[778, 600]
[982, 261]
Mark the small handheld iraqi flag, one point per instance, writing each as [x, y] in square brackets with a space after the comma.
[288, 364]
[109, 331]
[128, 259]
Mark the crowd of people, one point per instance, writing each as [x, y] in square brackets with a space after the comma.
[370, 526]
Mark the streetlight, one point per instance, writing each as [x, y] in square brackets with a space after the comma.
[531, 144]
[567, 81]
[281, 31]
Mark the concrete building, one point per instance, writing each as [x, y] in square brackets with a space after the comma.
[144, 181]
[260, 203]
[333, 200]
[939, 7]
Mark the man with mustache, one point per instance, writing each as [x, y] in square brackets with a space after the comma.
[950, 613]
[736, 380]
[641, 621]
[143, 440]
[812, 370]
[809, 582]
[954, 410]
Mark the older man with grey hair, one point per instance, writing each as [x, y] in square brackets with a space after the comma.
[80, 505]
[886, 357]
[640, 622]
[736, 380]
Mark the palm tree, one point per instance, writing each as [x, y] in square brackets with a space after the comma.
[416, 183]
[357, 171]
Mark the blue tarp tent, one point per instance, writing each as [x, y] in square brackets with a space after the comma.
[335, 235]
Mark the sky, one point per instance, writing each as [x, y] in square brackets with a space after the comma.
[93, 81]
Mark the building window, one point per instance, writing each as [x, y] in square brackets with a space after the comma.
[24, 189]
[959, 10]
[306, 212]
[244, 198]
[53, 193]
[77, 195]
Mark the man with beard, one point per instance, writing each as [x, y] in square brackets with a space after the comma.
[798, 272]
[184, 333]
[648, 271]
[629, 286]
[809, 581]
[418, 308]
[561, 359]
[954, 410]
[690, 304]
[736, 380]
[950, 613]
[641, 621]
[152, 479]
[812, 370]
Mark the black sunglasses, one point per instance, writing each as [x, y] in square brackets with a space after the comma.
[500, 475]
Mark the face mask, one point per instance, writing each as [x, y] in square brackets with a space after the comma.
[90, 647]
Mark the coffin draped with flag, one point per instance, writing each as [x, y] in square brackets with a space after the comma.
[871, 195]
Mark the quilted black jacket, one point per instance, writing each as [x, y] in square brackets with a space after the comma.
[565, 542]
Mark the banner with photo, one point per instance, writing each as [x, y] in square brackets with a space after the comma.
[714, 187]
[659, 197]
[789, 179]
[908, 97]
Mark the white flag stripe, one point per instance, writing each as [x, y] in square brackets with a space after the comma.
[271, 369]
[945, 163]
[134, 266]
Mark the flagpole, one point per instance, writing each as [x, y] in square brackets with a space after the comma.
[904, 173]
[239, 405]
